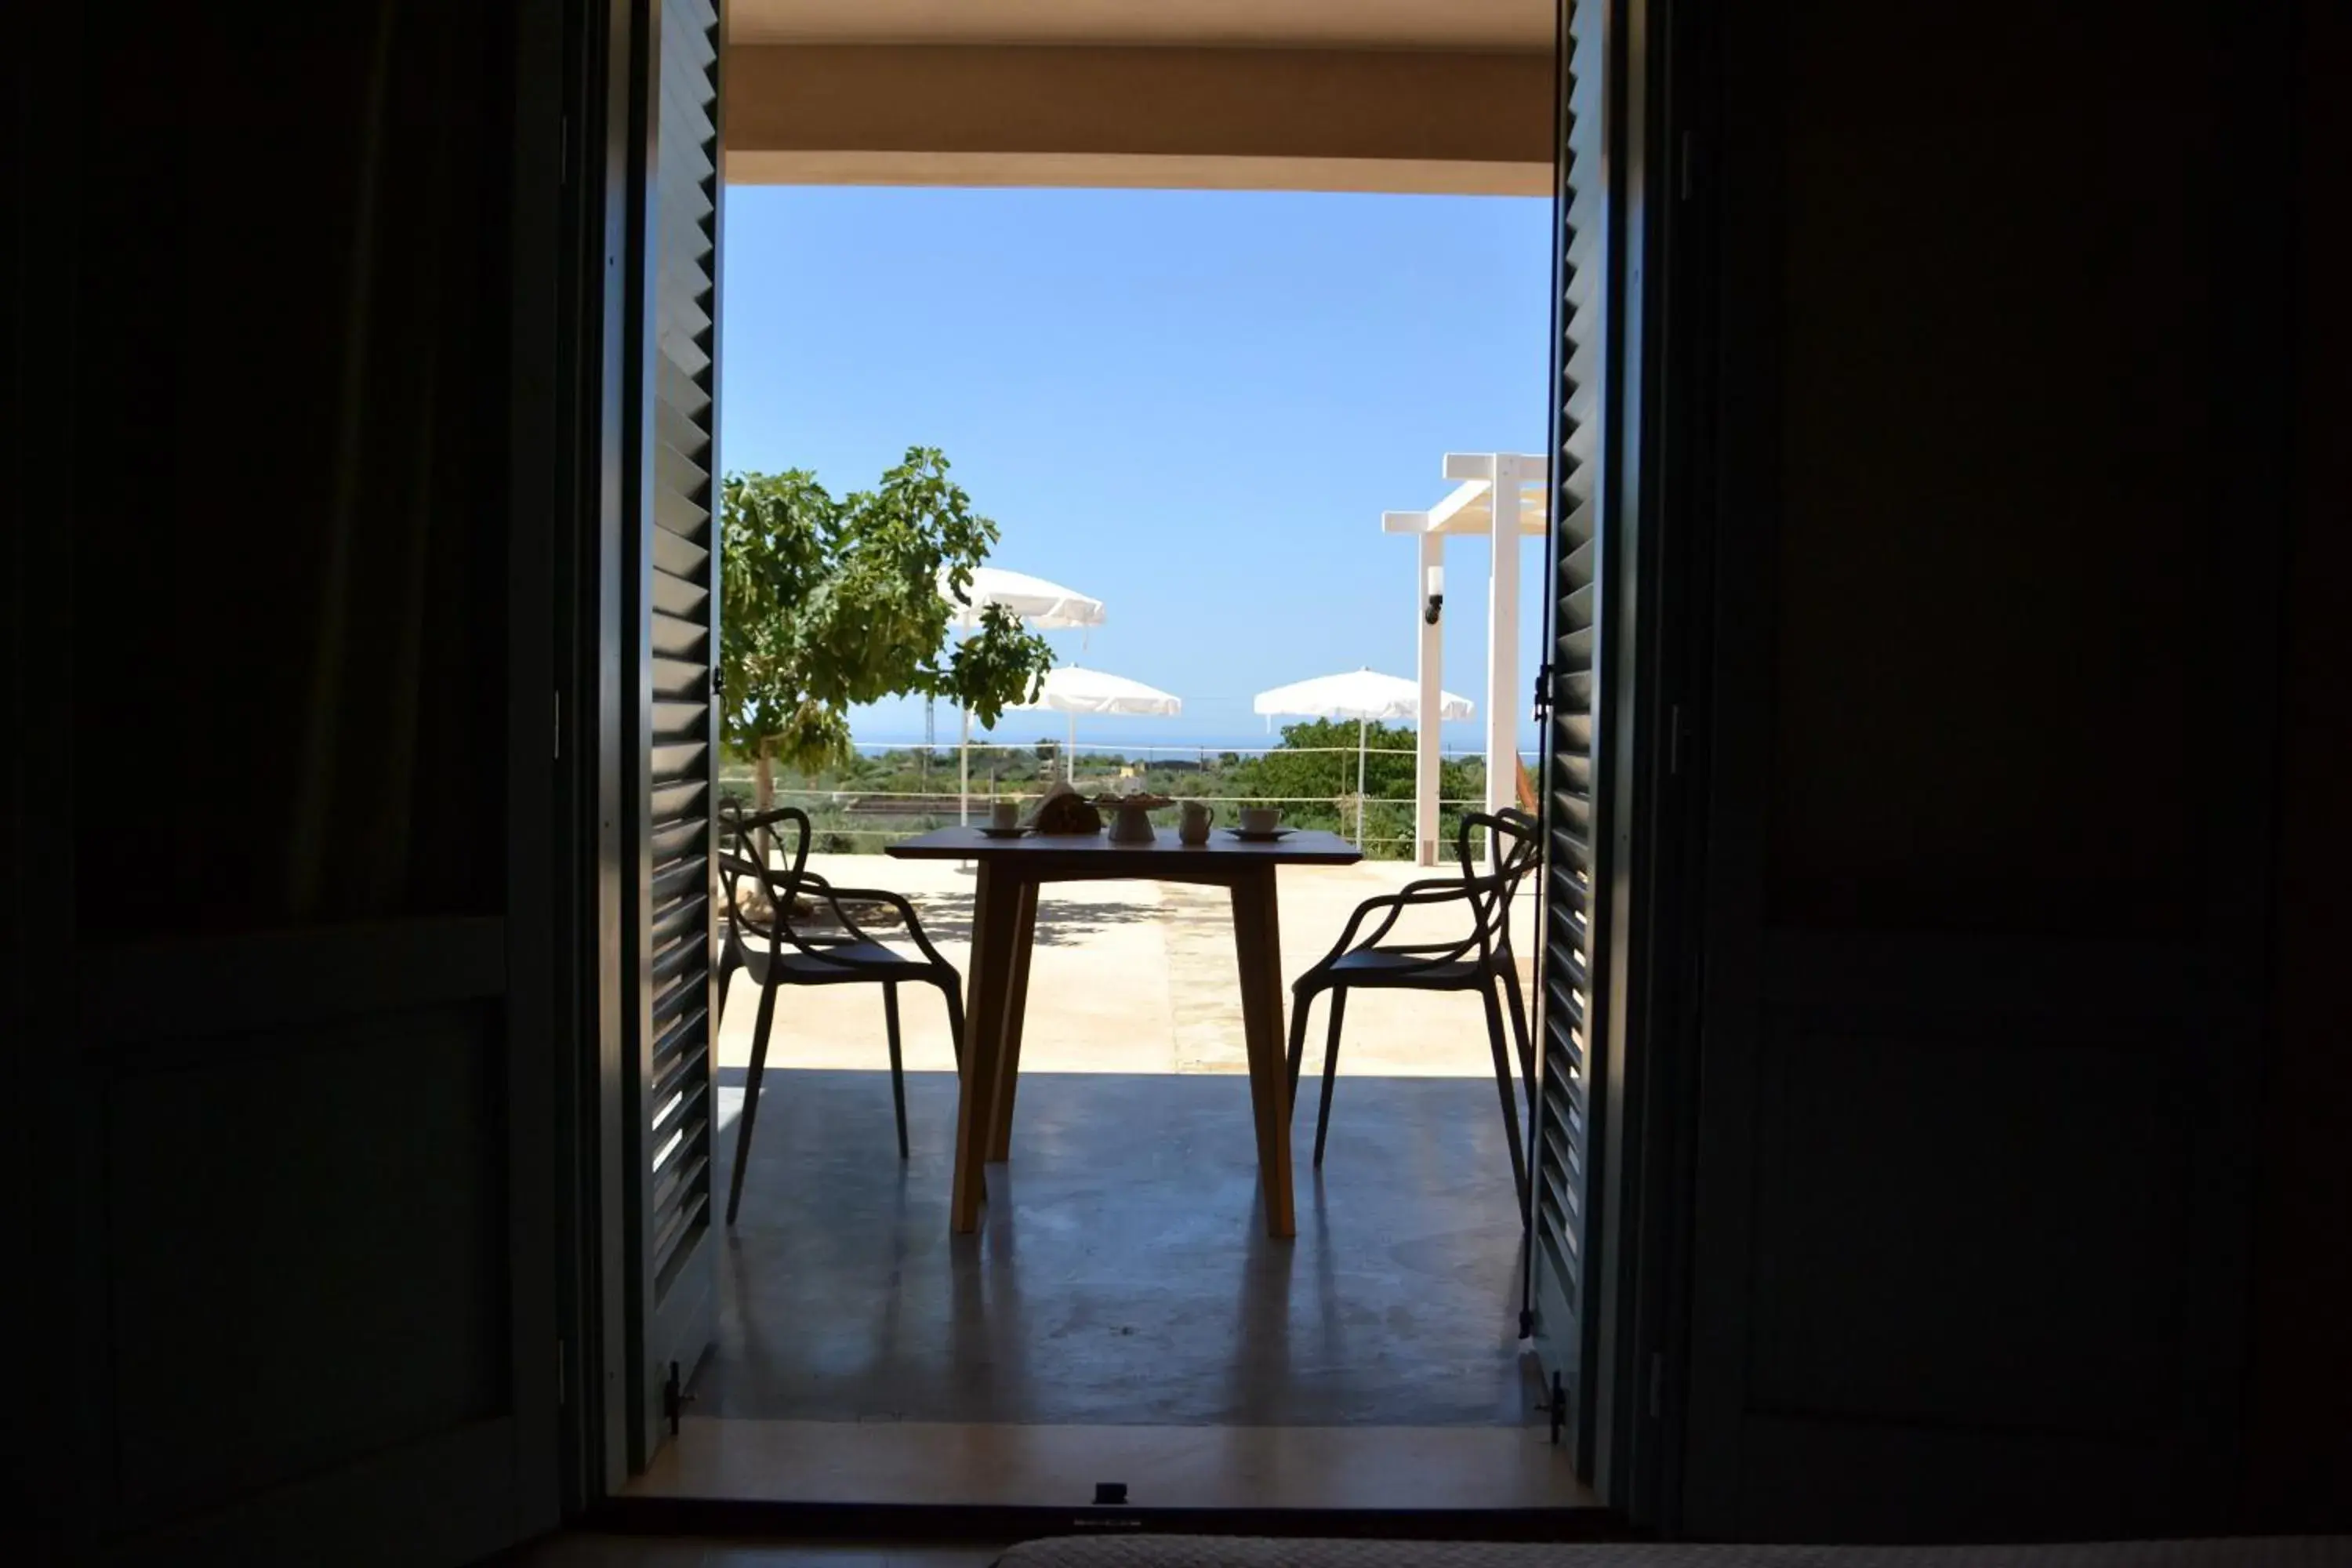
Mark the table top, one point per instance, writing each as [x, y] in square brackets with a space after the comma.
[1306, 847]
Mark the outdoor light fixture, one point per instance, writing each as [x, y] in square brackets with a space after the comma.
[1435, 589]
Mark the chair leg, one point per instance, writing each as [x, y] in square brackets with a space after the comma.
[1510, 978]
[728, 964]
[1330, 1069]
[750, 1098]
[1300, 1001]
[1512, 1131]
[898, 1062]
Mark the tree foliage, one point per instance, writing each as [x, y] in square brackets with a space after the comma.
[829, 604]
[1316, 761]
[1312, 777]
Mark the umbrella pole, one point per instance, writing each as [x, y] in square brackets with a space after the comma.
[1359, 784]
[963, 775]
[1070, 750]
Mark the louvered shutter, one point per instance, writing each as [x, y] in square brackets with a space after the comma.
[676, 697]
[1559, 1266]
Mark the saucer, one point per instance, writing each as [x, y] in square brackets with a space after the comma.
[1270, 836]
[987, 832]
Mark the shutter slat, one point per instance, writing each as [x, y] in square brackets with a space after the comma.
[684, 434]
[683, 515]
[682, 720]
[674, 839]
[680, 761]
[681, 36]
[679, 679]
[683, 391]
[680, 556]
[677, 639]
[681, 474]
[678, 596]
[673, 801]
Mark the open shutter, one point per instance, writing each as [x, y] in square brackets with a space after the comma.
[1562, 1157]
[672, 1007]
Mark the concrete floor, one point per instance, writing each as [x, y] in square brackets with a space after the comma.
[1122, 1275]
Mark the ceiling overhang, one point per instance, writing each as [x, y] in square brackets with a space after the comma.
[1436, 96]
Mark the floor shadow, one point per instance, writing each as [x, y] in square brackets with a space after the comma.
[946, 917]
[1122, 1273]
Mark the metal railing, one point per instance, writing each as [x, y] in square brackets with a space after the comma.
[869, 815]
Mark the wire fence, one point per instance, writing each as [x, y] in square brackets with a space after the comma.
[902, 788]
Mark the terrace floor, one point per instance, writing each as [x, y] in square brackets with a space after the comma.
[1122, 1278]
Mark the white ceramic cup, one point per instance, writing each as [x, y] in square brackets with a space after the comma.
[1261, 818]
[1005, 813]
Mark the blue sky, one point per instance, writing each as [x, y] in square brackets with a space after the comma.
[1193, 406]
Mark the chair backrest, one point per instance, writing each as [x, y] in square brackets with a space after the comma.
[740, 837]
[1513, 843]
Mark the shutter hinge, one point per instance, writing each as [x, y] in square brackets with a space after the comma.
[1543, 689]
[1556, 1407]
[556, 738]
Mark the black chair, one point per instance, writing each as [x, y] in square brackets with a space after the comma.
[1480, 961]
[777, 953]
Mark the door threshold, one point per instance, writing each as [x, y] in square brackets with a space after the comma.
[1388, 1470]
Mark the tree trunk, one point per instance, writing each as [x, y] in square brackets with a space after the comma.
[763, 789]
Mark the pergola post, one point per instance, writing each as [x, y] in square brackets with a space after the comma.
[1427, 773]
[1503, 640]
[1500, 495]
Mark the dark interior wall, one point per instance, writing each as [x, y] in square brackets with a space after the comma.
[264, 1061]
[2298, 1462]
[2019, 1064]
[289, 393]
[2003, 261]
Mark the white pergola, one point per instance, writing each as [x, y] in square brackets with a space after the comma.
[1500, 495]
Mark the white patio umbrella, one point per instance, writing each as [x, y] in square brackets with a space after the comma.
[1363, 695]
[1073, 689]
[1047, 606]
[1042, 606]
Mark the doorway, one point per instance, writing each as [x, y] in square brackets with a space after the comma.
[855, 1335]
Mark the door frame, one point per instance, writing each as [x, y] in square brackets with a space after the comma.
[1662, 275]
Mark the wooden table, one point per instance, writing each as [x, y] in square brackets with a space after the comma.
[1005, 923]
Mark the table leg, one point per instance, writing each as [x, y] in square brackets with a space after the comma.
[994, 901]
[1257, 944]
[1016, 1009]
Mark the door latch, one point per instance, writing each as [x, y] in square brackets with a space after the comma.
[1556, 1407]
[674, 1399]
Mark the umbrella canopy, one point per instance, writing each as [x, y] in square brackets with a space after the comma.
[1359, 694]
[1074, 688]
[1363, 695]
[1045, 607]
[1042, 606]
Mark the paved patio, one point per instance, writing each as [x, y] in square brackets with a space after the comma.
[1135, 977]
